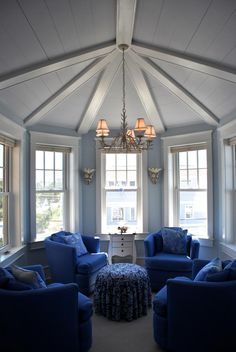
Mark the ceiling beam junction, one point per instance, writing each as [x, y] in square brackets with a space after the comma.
[99, 95]
[144, 94]
[182, 93]
[125, 21]
[69, 88]
[49, 66]
[196, 64]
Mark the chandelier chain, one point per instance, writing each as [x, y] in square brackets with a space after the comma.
[123, 73]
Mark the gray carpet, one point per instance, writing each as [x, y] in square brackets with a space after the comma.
[134, 336]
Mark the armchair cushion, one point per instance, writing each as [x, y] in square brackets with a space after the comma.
[76, 241]
[174, 240]
[9, 282]
[169, 262]
[214, 266]
[60, 236]
[160, 302]
[223, 275]
[85, 307]
[29, 277]
[88, 263]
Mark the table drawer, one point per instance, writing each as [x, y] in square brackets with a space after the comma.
[122, 251]
[125, 238]
[122, 244]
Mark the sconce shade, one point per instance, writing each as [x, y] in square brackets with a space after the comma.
[140, 125]
[102, 128]
[150, 132]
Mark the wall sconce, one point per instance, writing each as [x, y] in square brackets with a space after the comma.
[88, 175]
[154, 173]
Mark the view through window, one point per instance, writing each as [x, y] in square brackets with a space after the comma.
[191, 190]
[4, 194]
[50, 192]
[121, 192]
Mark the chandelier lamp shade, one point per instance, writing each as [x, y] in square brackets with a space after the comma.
[128, 140]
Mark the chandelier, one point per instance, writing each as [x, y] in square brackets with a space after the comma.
[129, 140]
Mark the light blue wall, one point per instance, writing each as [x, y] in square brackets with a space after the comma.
[155, 193]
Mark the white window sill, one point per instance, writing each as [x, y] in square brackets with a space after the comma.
[229, 249]
[13, 254]
[205, 242]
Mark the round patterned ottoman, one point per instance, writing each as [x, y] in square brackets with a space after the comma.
[122, 291]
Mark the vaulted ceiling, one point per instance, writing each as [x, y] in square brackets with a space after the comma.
[60, 63]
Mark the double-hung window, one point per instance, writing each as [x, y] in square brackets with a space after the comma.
[51, 181]
[121, 198]
[230, 190]
[190, 195]
[6, 146]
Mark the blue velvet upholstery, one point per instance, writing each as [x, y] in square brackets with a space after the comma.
[66, 266]
[161, 265]
[195, 316]
[214, 266]
[55, 318]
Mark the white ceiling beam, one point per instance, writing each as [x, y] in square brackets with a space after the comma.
[183, 94]
[35, 71]
[69, 88]
[125, 21]
[203, 66]
[99, 95]
[144, 94]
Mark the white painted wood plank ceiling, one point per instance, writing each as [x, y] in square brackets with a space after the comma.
[60, 62]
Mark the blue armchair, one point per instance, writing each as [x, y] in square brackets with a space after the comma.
[66, 266]
[55, 318]
[195, 315]
[161, 265]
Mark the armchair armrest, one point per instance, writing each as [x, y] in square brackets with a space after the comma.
[62, 261]
[194, 250]
[91, 243]
[149, 245]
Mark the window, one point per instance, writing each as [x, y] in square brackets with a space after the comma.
[6, 148]
[230, 189]
[121, 193]
[51, 165]
[188, 183]
[190, 191]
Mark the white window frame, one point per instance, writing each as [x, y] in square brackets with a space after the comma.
[169, 202]
[227, 188]
[142, 189]
[16, 207]
[72, 202]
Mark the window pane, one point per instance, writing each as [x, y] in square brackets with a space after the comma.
[110, 162]
[49, 213]
[39, 159]
[49, 181]
[192, 159]
[203, 178]
[131, 161]
[121, 209]
[110, 179]
[183, 160]
[121, 161]
[1, 179]
[202, 158]
[131, 179]
[1, 155]
[193, 212]
[39, 179]
[58, 180]
[3, 220]
[183, 179]
[49, 160]
[121, 179]
[58, 161]
[192, 179]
